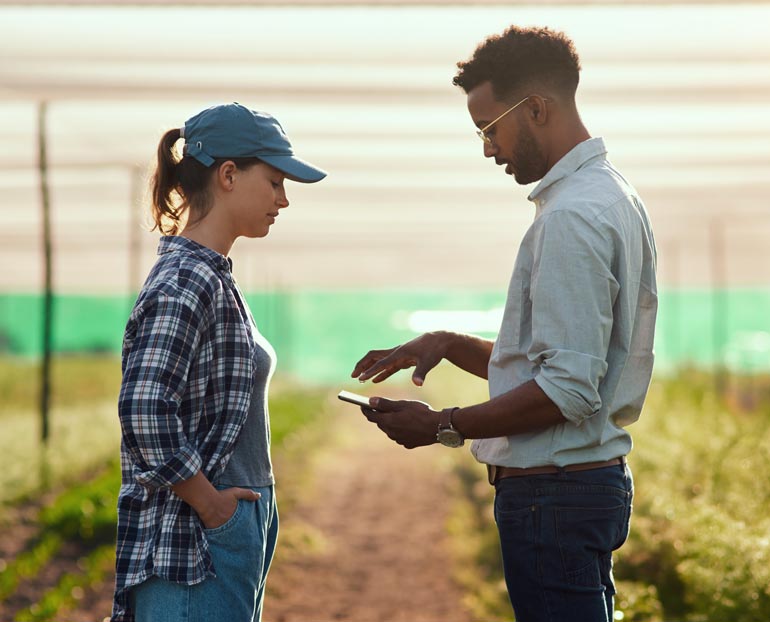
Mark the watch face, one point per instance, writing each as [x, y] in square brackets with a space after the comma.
[450, 437]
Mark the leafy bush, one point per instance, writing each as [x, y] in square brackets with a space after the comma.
[701, 530]
[699, 549]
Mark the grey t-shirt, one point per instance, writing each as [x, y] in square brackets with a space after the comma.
[250, 465]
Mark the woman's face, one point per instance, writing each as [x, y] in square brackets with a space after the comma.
[257, 196]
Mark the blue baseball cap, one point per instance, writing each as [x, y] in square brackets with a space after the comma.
[234, 131]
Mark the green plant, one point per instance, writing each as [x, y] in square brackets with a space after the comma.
[70, 588]
[86, 512]
[699, 532]
[292, 408]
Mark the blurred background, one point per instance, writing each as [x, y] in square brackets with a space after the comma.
[412, 230]
[411, 218]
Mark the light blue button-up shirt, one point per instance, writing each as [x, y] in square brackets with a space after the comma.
[580, 315]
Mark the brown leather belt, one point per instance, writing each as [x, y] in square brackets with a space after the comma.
[496, 473]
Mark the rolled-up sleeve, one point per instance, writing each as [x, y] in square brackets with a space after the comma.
[161, 341]
[572, 293]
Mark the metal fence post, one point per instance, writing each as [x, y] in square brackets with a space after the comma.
[45, 384]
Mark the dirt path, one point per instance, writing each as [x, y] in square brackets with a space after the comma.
[369, 542]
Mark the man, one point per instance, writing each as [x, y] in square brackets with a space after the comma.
[572, 363]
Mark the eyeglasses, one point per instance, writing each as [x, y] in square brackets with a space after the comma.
[482, 133]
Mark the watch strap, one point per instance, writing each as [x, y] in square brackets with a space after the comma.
[445, 418]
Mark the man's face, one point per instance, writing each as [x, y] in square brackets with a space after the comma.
[512, 141]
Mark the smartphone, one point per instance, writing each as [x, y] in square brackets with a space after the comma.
[354, 398]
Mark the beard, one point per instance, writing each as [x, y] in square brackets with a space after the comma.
[528, 163]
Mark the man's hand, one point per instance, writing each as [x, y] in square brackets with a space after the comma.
[423, 353]
[409, 423]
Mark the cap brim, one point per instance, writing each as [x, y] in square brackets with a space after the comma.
[295, 169]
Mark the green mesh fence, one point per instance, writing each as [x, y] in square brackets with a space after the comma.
[320, 334]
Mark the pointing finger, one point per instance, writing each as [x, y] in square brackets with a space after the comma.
[386, 367]
[369, 359]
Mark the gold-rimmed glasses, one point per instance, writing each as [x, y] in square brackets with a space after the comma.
[482, 133]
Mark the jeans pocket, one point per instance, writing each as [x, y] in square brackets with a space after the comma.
[586, 536]
[228, 524]
[512, 508]
[513, 517]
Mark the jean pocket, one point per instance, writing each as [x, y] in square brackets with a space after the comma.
[512, 509]
[585, 536]
[229, 523]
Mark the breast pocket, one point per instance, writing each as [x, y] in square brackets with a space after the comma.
[517, 316]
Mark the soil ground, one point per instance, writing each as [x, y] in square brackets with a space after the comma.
[377, 548]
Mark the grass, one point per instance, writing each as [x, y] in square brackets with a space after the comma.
[75, 380]
[85, 512]
[84, 430]
[292, 408]
[82, 439]
[65, 594]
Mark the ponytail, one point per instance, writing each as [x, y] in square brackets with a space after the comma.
[165, 211]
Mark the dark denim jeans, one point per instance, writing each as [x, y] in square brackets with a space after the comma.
[557, 534]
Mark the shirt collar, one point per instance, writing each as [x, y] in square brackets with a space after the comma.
[571, 162]
[172, 243]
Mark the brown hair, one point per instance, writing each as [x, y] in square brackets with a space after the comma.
[520, 59]
[188, 179]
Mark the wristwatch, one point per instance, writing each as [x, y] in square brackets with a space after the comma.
[446, 434]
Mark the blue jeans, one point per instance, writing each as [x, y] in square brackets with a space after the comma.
[557, 534]
[242, 550]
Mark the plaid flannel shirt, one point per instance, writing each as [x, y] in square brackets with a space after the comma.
[188, 355]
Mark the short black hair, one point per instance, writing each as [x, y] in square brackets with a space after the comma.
[522, 59]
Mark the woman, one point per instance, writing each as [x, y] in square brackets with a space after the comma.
[197, 520]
